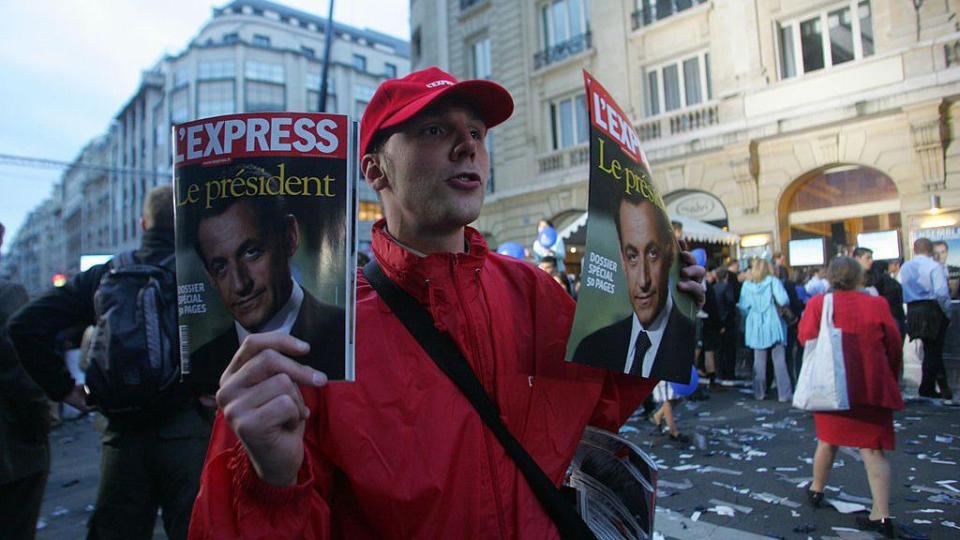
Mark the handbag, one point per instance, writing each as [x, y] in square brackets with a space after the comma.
[786, 314]
[448, 357]
[822, 384]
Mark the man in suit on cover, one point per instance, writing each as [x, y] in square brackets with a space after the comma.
[656, 340]
[246, 245]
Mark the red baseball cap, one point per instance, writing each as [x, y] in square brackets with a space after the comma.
[398, 100]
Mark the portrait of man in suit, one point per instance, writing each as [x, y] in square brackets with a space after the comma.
[656, 339]
[245, 245]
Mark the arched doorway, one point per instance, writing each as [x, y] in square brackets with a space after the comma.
[835, 208]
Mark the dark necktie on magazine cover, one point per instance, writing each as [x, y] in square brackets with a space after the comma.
[641, 346]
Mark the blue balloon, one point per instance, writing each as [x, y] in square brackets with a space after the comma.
[685, 390]
[700, 255]
[547, 237]
[511, 249]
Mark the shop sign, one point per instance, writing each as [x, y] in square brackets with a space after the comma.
[700, 206]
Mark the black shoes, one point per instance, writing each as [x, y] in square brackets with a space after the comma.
[815, 498]
[884, 526]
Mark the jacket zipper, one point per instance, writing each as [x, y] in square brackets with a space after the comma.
[491, 463]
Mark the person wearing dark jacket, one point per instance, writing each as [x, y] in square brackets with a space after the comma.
[890, 289]
[24, 423]
[726, 295]
[144, 464]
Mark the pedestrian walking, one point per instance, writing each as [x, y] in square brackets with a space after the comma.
[872, 356]
[765, 331]
[924, 283]
[152, 455]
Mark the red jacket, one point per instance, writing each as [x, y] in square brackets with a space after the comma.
[872, 350]
[400, 453]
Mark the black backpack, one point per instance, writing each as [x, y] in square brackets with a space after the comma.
[134, 360]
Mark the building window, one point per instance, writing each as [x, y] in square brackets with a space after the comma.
[179, 106]
[681, 83]
[260, 40]
[480, 59]
[562, 20]
[390, 71]
[825, 39]
[564, 29]
[181, 77]
[216, 69]
[215, 98]
[309, 52]
[360, 62]
[264, 96]
[264, 71]
[231, 37]
[650, 11]
[568, 121]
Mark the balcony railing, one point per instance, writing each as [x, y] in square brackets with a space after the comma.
[665, 8]
[562, 51]
[564, 159]
[682, 122]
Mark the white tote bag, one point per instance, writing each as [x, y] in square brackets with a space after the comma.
[822, 384]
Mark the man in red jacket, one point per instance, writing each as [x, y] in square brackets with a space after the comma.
[400, 453]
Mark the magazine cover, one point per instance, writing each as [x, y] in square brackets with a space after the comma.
[264, 207]
[946, 251]
[630, 316]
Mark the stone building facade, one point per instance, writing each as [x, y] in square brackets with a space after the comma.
[779, 120]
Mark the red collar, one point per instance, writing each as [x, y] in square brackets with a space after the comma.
[412, 272]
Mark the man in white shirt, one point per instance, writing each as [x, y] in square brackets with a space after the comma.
[928, 306]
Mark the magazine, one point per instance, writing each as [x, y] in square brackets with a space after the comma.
[630, 316]
[264, 238]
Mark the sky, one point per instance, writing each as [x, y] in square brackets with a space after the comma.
[67, 66]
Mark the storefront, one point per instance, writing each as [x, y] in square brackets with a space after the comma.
[830, 211]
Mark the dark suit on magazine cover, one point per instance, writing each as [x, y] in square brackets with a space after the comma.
[607, 348]
[319, 324]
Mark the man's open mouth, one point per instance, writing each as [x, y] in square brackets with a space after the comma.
[464, 181]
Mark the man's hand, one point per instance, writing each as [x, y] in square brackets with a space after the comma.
[77, 398]
[263, 405]
[691, 276]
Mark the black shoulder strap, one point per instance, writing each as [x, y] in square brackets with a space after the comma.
[444, 351]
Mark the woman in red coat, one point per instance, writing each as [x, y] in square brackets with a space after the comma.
[872, 355]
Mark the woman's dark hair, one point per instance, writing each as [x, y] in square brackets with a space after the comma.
[844, 273]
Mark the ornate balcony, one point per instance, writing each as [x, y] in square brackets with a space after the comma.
[562, 51]
[649, 14]
[678, 123]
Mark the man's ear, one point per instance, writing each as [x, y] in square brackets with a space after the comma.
[291, 235]
[371, 165]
